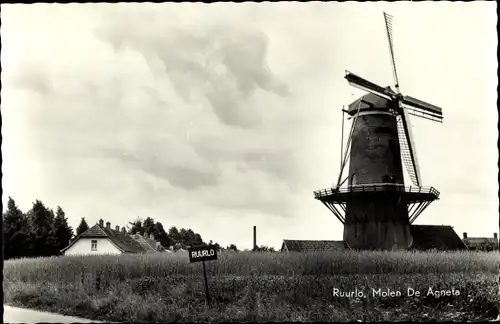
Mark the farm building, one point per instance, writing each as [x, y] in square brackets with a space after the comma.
[311, 246]
[104, 240]
[481, 243]
[425, 237]
[435, 237]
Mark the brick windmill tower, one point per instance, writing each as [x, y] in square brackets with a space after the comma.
[376, 207]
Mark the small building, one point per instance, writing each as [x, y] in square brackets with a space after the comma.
[311, 246]
[435, 237]
[481, 243]
[100, 239]
[425, 238]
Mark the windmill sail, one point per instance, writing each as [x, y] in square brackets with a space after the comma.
[363, 84]
[388, 27]
[407, 147]
[422, 107]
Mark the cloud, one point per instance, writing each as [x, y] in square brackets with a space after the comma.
[223, 65]
[197, 111]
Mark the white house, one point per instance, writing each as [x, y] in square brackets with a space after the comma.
[104, 240]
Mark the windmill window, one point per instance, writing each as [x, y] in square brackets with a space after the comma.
[93, 245]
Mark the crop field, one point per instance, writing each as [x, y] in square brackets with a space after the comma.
[254, 286]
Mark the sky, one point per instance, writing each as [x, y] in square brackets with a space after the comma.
[219, 117]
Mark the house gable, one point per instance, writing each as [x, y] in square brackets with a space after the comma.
[84, 246]
[121, 241]
[93, 232]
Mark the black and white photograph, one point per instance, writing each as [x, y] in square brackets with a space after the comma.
[250, 162]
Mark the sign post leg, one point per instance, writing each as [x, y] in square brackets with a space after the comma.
[206, 283]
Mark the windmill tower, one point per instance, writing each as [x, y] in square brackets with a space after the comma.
[376, 207]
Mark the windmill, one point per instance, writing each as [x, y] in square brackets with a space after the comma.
[376, 207]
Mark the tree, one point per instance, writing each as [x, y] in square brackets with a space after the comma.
[192, 239]
[232, 247]
[185, 237]
[43, 240]
[82, 227]
[148, 226]
[197, 239]
[216, 245]
[16, 232]
[51, 216]
[136, 226]
[161, 236]
[264, 248]
[173, 233]
[62, 231]
[182, 236]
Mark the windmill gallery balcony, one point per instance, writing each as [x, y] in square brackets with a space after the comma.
[416, 198]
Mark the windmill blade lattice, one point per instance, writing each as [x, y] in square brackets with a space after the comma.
[388, 26]
[405, 152]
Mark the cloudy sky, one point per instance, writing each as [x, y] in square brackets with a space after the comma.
[223, 116]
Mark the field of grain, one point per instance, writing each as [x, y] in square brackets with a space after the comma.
[257, 286]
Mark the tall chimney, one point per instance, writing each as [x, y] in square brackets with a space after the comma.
[101, 223]
[495, 235]
[254, 238]
[123, 230]
[465, 235]
[117, 228]
[108, 225]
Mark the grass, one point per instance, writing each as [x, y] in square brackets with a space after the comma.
[258, 286]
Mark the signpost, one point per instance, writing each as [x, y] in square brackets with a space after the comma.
[203, 253]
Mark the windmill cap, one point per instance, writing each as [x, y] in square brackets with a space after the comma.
[370, 101]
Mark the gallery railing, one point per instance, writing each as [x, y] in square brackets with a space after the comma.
[376, 187]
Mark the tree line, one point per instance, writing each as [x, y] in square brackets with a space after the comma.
[41, 232]
[176, 238]
[38, 233]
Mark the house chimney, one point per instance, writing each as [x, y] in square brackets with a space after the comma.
[117, 228]
[123, 230]
[255, 238]
[101, 223]
[465, 235]
[495, 235]
[108, 225]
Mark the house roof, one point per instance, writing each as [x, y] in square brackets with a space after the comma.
[440, 237]
[425, 237]
[146, 243]
[124, 242]
[480, 241]
[312, 246]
